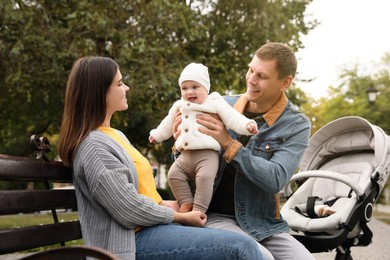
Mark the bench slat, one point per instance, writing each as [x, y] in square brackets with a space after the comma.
[16, 169]
[24, 201]
[26, 169]
[19, 239]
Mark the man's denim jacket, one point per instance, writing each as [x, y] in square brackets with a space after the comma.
[265, 165]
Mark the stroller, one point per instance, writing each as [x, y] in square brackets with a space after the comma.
[344, 169]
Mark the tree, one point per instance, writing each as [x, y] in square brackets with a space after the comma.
[236, 29]
[151, 40]
[349, 98]
[41, 39]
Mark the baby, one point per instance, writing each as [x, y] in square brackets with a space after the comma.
[198, 158]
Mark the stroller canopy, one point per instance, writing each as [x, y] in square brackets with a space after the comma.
[348, 135]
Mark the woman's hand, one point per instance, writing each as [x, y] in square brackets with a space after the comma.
[214, 127]
[173, 204]
[192, 218]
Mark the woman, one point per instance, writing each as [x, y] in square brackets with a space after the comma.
[120, 209]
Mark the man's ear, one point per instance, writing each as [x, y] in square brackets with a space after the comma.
[286, 83]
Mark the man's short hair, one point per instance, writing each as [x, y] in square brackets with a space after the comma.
[286, 62]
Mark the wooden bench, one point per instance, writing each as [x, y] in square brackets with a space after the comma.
[41, 173]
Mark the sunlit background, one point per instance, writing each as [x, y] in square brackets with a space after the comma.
[351, 33]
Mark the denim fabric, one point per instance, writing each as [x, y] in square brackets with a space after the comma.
[186, 243]
[264, 167]
[278, 246]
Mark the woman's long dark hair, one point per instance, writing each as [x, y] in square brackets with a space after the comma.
[85, 102]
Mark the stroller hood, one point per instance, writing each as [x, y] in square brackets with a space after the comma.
[346, 135]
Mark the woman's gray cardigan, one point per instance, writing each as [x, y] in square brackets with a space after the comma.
[105, 181]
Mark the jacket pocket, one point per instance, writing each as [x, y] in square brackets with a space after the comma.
[265, 148]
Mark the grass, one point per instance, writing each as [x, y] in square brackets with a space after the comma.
[25, 220]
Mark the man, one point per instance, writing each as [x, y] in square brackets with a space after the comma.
[254, 169]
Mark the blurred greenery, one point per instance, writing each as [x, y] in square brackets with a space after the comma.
[385, 217]
[151, 40]
[349, 98]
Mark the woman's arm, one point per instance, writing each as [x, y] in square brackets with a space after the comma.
[109, 182]
[173, 204]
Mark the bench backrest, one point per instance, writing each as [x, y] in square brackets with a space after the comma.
[16, 201]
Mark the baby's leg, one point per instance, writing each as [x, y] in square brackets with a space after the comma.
[206, 170]
[178, 176]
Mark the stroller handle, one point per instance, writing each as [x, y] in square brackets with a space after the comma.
[326, 175]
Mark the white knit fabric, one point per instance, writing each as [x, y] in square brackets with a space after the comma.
[196, 72]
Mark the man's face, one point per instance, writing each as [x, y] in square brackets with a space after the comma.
[262, 81]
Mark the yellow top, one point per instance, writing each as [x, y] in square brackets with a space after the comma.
[146, 184]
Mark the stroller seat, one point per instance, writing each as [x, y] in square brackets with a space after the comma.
[344, 169]
[338, 195]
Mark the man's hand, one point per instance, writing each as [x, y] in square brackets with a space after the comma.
[175, 130]
[214, 127]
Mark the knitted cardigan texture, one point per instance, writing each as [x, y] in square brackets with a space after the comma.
[105, 181]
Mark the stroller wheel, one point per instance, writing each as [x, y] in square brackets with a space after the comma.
[368, 212]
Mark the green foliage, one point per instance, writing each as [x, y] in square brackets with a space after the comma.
[349, 98]
[11, 185]
[237, 28]
[151, 40]
[297, 96]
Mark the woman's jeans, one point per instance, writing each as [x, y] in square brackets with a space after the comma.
[181, 242]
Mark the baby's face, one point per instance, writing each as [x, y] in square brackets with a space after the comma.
[193, 92]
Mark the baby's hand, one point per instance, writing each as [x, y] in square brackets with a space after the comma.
[151, 140]
[252, 128]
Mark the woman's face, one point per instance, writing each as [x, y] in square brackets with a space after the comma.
[116, 95]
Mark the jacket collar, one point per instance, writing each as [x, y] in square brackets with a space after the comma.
[271, 115]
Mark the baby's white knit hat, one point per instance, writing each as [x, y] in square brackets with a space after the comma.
[196, 72]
